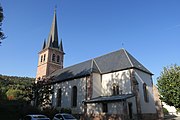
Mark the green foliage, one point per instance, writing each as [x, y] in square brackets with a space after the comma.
[66, 110]
[16, 88]
[50, 112]
[169, 85]
[177, 110]
[1, 19]
[15, 109]
[16, 94]
[165, 111]
[43, 91]
[13, 94]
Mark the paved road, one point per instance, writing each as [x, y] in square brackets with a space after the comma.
[172, 118]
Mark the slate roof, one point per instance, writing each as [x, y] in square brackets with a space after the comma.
[114, 61]
[109, 98]
[75, 71]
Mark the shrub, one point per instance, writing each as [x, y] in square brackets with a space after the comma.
[50, 112]
[165, 111]
[66, 110]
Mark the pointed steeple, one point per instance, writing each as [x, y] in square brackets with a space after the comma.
[50, 43]
[61, 46]
[44, 44]
[53, 35]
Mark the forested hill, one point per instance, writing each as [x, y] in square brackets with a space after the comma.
[14, 80]
[13, 87]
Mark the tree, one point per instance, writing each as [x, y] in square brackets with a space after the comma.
[42, 93]
[13, 94]
[1, 19]
[169, 86]
[16, 88]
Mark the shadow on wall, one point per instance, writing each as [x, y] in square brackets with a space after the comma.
[159, 110]
[67, 95]
[117, 84]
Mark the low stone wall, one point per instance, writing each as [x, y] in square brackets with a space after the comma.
[104, 117]
[150, 117]
[118, 117]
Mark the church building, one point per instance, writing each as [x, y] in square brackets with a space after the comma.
[114, 86]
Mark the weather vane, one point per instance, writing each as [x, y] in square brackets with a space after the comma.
[55, 7]
[122, 45]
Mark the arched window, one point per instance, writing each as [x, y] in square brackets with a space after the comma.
[41, 58]
[115, 89]
[58, 58]
[53, 57]
[59, 97]
[44, 57]
[146, 95]
[74, 96]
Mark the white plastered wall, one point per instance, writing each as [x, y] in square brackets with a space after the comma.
[113, 108]
[120, 78]
[133, 101]
[142, 77]
[66, 96]
[96, 85]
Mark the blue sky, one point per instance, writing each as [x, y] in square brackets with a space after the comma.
[148, 29]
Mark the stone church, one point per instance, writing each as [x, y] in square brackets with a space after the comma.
[114, 86]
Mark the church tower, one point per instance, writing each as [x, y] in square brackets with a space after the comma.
[51, 56]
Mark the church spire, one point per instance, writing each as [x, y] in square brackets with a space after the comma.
[53, 35]
[51, 56]
[44, 44]
[61, 47]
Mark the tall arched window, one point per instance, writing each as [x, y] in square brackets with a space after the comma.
[74, 96]
[44, 57]
[41, 58]
[114, 90]
[53, 57]
[146, 95]
[59, 97]
[117, 90]
[58, 58]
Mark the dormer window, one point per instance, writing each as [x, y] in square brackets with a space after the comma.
[53, 57]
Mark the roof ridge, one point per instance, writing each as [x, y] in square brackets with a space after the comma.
[96, 65]
[108, 53]
[92, 59]
[128, 57]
